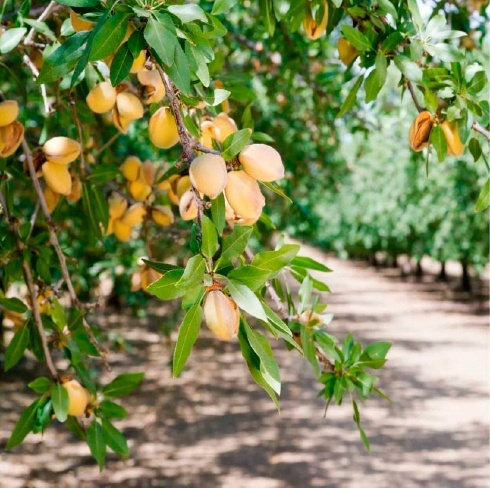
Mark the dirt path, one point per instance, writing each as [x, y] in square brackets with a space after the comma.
[214, 428]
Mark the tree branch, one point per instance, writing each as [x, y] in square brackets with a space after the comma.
[35, 72]
[44, 15]
[411, 89]
[478, 128]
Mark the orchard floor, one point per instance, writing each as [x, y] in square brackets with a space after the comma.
[213, 427]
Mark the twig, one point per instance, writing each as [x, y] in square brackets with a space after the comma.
[108, 143]
[478, 128]
[35, 72]
[44, 15]
[414, 96]
[79, 131]
[33, 219]
[204, 149]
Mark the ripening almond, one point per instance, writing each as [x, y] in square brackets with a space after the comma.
[166, 184]
[187, 206]
[52, 198]
[162, 215]
[222, 315]
[347, 52]
[420, 130]
[57, 177]
[9, 111]
[61, 150]
[78, 397]
[149, 276]
[139, 62]
[11, 137]
[453, 142]
[79, 24]
[117, 206]
[101, 97]
[44, 302]
[122, 123]
[129, 106]
[262, 162]
[110, 227]
[208, 133]
[131, 168]
[224, 126]
[312, 29]
[76, 191]
[139, 190]
[182, 185]
[121, 230]
[134, 215]
[147, 173]
[154, 87]
[163, 129]
[208, 174]
[243, 194]
[310, 318]
[237, 220]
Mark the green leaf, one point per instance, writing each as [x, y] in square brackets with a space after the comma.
[273, 187]
[356, 38]
[351, 98]
[114, 439]
[16, 348]
[409, 69]
[11, 38]
[251, 276]
[74, 426]
[222, 6]
[111, 410]
[209, 244]
[160, 35]
[438, 140]
[121, 64]
[378, 350]
[180, 71]
[41, 27]
[246, 299]
[235, 142]
[14, 305]
[276, 260]
[415, 12]
[61, 402]
[193, 273]
[165, 288]
[372, 86]
[475, 148]
[235, 244]
[79, 3]
[218, 96]
[108, 37]
[95, 208]
[188, 333]
[123, 385]
[309, 263]
[161, 267]
[58, 314]
[218, 213]
[188, 13]
[96, 443]
[24, 425]
[484, 198]
[388, 7]
[40, 385]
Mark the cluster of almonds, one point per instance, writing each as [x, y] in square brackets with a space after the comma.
[59, 152]
[312, 29]
[421, 128]
[11, 131]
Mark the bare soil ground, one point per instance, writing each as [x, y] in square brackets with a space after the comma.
[213, 427]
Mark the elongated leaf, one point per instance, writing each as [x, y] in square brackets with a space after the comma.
[161, 267]
[108, 37]
[276, 260]
[11, 38]
[222, 6]
[351, 98]
[209, 244]
[95, 207]
[96, 443]
[235, 244]
[16, 348]
[193, 273]
[24, 425]
[114, 438]
[40, 385]
[218, 212]
[123, 385]
[61, 402]
[484, 198]
[188, 333]
[112, 410]
[161, 38]
[79, 3]
[188, 13]
[13, 304]
[121, 65]
[235, 142]
[309, 263]
[250, 276]
[273, 187]
[246, 299]
[180, 71]
[165, 288]
[356, 38]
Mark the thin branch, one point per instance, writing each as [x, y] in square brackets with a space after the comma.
[47, 107]
[478, 128]
[411, 89]
[33, 219]
[204, 149]
[44, 15]
[108, 143]
[83, 165]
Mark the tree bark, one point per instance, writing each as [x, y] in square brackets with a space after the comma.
[442, 273]
[465, 277]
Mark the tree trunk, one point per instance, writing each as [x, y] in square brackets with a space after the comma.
[419, 271]
[465, 278]
[442, 273]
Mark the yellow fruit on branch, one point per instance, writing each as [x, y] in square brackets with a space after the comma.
[139, 62]
[76, 191]
[262, 162]
[163, 129]
[187, 206]
[78, 23]
[121, 230]
[117, 206]
[208, 174]
[57, 177]
[347, 52]
[162, 215]
[312, 29]
[44, 302]
[182, 185]
[454, 145]
[134, 215]
[221, 314]
[147, 173]
[310, 318]
[138, 190]
[78, 397]
[208, 133]
[224, 126]
[52, 198]
[11, 137]
[154, 87]
[244, 195]
[131, 168]
[419, 135]
[9, 111]
[101, 97]
[61, 150]
[129, 106]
